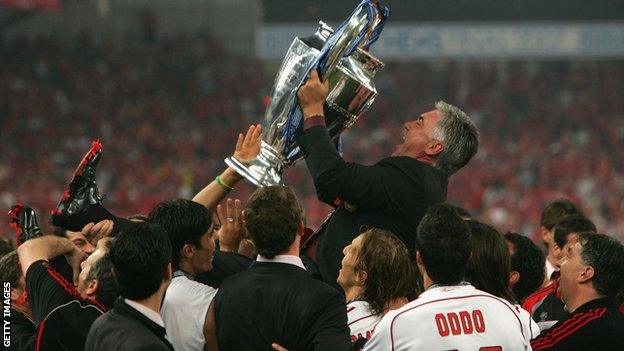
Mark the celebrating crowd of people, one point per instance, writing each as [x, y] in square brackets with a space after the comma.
[550, 129]
[174, 260]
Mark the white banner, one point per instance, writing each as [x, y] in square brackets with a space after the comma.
[427, 41]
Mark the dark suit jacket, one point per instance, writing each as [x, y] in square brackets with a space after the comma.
[224, 265]
[125, 329]
[282, 303]
[393, 194]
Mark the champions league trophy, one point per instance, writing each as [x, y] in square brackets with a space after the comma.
[342, 58]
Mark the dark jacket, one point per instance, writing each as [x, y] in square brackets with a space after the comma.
[23, 332]
[282, 303]
[125, 329]
[224, 265]
[596, 325]
[63, 317]
[392, 194]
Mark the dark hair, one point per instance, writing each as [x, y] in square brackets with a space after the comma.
[389, 268]
[102, 271]
[528, 260]
[443, 240]
[10, 270]
[571, 224]
[557, 209]
[140, 256]
[489, 265]
[6, 246]
[271, 219]
[137, 217]
[461, 212]
[606, 255]
[61, 232]
[184, 220]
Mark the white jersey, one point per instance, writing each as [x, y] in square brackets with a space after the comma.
[361, 320]
[184, 312]
[452, 318]
[525, 316]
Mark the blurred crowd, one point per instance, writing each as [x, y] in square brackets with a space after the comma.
[200, 270]
[168, 112]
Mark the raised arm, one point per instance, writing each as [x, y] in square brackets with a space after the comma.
[247, 147]
[334, 178]
[46, 248]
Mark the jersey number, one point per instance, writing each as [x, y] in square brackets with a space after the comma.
[461, 323]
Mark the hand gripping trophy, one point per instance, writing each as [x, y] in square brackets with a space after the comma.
[342, 59]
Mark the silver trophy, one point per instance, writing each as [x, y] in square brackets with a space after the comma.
[351, 92]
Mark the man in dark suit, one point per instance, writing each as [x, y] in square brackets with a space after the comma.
[141, 259]
[394, 193]
[276, 300]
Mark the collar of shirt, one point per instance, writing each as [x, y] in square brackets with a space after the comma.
[147, 312]
[181, 273]
[550, 269]
[435, 288]
[290, 259]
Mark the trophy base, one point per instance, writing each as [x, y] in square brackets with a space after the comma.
[264, 170]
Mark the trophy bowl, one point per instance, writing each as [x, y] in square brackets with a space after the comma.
[351, 93]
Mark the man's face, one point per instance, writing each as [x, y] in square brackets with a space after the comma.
[203, 256]
[80, 241]
[417, 133]
[571, 268]
[347, 276]
[83, 281]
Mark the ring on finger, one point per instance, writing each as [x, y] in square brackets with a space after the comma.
[230, 219]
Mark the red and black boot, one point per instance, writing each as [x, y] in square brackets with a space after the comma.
[23, 220]
[81, 201]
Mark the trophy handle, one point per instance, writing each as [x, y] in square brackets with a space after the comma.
[345, 39]
[264, 170]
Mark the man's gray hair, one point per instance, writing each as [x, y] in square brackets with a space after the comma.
[458, 134]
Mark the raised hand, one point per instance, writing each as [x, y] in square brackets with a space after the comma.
[312, 95]
[232, 229]
[248, 146]
[93, 232]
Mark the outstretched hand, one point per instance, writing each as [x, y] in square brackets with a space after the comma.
[232, 230]
[248, 146]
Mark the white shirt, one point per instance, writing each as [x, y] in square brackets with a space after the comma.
[184, 312]
[534, 328]
[452, 318]
[550, 269]
[146, 311]
[361, 320]
[290, 259]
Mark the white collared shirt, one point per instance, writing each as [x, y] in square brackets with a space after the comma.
[290, 259]
[361, 320]
[146, 311]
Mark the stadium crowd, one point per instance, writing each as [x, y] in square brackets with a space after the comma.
[550, 129]
[197, 268]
